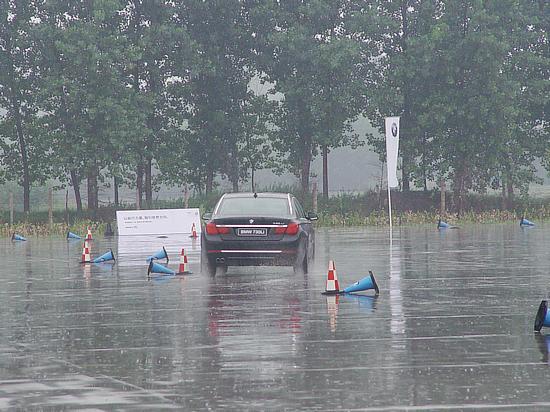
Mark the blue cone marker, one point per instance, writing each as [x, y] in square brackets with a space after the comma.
[525, 222]
[363, 284]
[159, 255]
[157, 268]
[15, 236]
[105, 257]
[542, 318]
[443, 225]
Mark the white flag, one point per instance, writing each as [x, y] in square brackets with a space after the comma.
[392, 146]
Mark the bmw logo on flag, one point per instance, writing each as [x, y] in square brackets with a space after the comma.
[394, 129]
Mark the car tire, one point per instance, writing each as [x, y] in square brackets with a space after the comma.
[207, 266]
[301, 264]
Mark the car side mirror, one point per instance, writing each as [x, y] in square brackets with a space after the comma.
[207, 216]
[312, 216]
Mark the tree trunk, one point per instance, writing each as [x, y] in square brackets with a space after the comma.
[89, 190]
[442, 206]
[16, 106]
[139, 185]
[209, 182]
[314, 198]
[76, 187]
[325, 172]
[233, 174]
[92, 189]
[139, 167]
[148, 184]
[26, 175]
[23, 150]
[115, 189]
[510, 199]
[404, 153]
[459, 192]
[306, 166]
[504, 201]
[96, 188]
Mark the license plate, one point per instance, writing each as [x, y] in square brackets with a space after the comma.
[256, 231]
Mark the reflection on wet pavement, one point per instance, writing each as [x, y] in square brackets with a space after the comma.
[452, 327]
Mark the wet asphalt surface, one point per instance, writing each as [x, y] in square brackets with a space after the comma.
[452, 327]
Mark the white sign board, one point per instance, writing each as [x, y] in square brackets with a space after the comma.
[157, 222]
[392, 147]
[133, 250]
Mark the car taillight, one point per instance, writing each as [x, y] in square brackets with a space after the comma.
[212, 229]
[291, 229]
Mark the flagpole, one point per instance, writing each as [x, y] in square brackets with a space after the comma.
[389, 200]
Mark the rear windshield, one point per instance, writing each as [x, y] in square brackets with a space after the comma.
[249, 206]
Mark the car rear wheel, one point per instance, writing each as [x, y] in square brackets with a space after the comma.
[207, 266]
[301, 264]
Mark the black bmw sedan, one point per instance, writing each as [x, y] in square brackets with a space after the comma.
[250, 229]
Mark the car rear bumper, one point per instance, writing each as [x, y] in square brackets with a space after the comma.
[252, 258]
[242, 254]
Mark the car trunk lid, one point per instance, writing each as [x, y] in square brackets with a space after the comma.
[252, 228]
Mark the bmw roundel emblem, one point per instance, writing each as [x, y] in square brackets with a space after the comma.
[394, 129]
[251, 221]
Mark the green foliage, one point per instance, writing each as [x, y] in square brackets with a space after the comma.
[460, 72]
[23, 156]
[412, 208]
[310, 56]
[107, 89]
[219, 123]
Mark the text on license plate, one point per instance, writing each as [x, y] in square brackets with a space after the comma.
[257, 231]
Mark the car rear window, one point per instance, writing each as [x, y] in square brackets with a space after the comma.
[249, 206]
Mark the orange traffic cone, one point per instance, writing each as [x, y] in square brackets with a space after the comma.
[85, 254]
[193, 231]
[89, 234]
[183, 263]
[332, 280]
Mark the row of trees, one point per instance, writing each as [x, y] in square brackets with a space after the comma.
[112, 89]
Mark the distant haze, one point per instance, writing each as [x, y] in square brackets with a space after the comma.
[349, 169]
